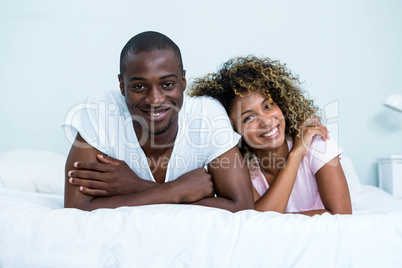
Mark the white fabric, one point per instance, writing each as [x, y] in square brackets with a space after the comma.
[36, 171]
[105, 123]
[351, 175]
[35, 231]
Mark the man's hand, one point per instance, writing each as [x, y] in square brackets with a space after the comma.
[109, 177]
[106, 182]
[196, 185]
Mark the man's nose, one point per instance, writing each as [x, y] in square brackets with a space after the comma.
[155, 97]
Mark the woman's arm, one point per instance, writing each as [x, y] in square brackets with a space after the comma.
[231, 181]
[311, 212]
[333, 188]
[277, 196]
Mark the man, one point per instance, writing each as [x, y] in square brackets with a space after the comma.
[163, 138]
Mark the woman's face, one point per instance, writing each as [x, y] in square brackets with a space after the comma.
[259, 120]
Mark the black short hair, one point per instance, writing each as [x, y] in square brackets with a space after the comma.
[147, 42]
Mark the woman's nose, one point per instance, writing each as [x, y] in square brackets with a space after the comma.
[264, 121]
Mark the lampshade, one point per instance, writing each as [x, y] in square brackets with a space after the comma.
[394, 101]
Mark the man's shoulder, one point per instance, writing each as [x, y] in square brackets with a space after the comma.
[201, 99]
[110, 100]
[105, 95]
[202, 105]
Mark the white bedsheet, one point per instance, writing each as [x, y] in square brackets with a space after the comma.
[35, 231]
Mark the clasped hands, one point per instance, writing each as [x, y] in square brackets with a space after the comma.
[112, 177]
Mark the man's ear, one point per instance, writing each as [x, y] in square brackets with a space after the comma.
[184, 81]
[121, 84]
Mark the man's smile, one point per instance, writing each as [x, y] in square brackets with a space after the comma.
[156, 114]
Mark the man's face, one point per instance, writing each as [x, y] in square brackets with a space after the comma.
[153, 86]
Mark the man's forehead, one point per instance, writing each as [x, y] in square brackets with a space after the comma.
[156, 57]
[153, 61]
[154, 54]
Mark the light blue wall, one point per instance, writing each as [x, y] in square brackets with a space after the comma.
[54, 53]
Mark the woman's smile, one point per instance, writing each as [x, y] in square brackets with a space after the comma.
[273, 133]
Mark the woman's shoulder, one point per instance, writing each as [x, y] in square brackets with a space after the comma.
[321, 152]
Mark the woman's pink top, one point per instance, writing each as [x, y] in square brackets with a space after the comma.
[305, 195]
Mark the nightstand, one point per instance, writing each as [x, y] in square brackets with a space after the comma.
[390, 175]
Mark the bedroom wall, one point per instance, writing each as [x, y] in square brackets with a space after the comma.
[54, 53]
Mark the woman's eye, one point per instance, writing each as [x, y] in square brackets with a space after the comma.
[269, 105]
[247, 119]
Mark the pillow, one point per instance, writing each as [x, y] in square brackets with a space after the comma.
[37, 171]
[351, 175]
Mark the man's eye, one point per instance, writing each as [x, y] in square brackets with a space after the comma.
[138, 87]
[168, 84]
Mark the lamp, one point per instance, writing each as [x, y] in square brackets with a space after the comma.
[394, 101]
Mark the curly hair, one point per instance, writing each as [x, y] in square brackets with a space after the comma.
[242, 76]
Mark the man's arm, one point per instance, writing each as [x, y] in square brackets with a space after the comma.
[231, 181]
[183, 190]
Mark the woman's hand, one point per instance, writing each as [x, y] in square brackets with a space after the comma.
[308, 130]
[108, 177]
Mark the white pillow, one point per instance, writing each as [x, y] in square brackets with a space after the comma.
[38, 171]
[351, 175]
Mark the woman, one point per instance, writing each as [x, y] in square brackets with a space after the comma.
[293, 168]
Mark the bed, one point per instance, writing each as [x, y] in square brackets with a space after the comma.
[36, 231]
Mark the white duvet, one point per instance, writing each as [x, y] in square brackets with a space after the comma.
[36, 231]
